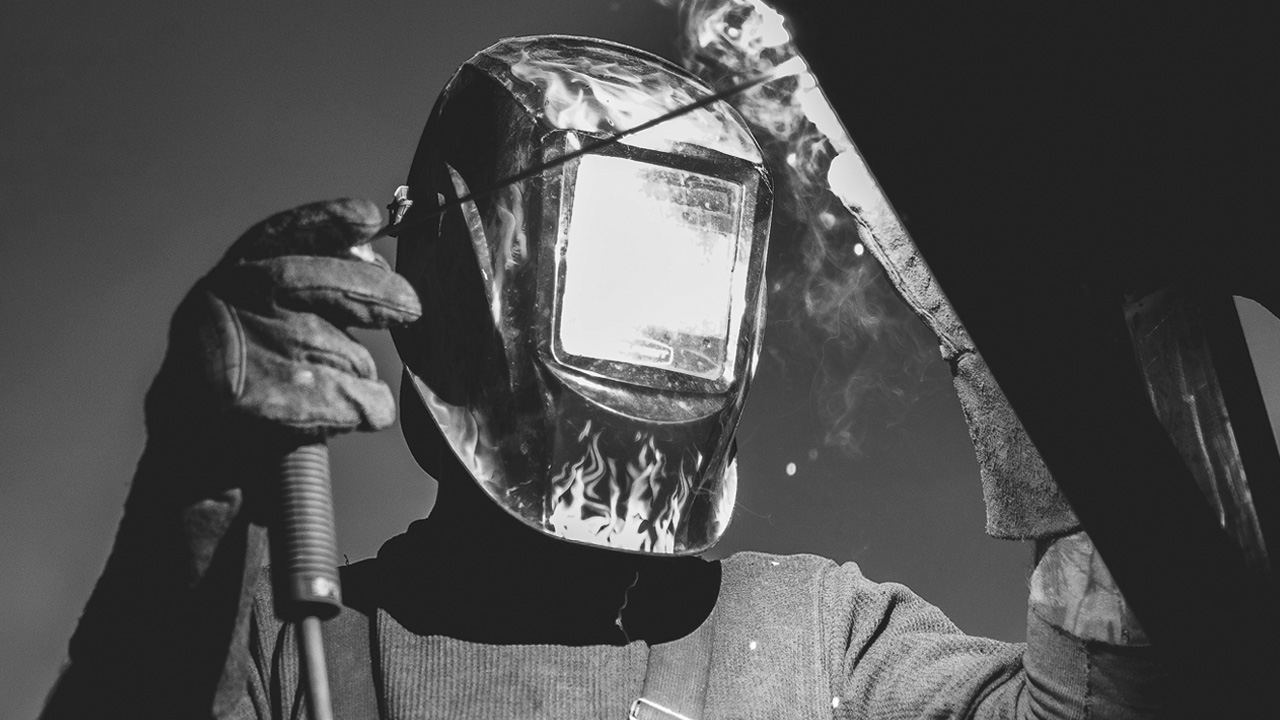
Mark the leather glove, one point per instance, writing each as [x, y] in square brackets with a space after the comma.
[260, 349]
[1023, 501]
[258, 352]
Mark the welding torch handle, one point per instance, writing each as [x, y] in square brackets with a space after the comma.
[306, 562]
[306, 555]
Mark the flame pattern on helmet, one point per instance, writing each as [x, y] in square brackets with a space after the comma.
[633, 505]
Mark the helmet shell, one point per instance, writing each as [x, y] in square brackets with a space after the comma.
[588, 373]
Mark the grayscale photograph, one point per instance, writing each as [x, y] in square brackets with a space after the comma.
[639, 359]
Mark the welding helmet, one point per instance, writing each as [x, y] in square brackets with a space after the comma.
[590, 328]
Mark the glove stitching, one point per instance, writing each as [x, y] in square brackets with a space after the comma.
[233, 337]
[242, 357]
[356, 295]
[339, 362]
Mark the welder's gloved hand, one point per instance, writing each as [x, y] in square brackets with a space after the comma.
[258, 356]
[1023, 501]
[259, 349]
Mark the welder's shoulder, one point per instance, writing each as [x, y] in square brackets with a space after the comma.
[881, 650]
[841, 597]
[756, 569]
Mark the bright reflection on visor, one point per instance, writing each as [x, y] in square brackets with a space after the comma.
[649, 260]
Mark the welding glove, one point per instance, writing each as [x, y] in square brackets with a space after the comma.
[1022, 499]
[260, 345]
[258, 355]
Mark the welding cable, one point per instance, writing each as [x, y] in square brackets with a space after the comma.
[793, 66]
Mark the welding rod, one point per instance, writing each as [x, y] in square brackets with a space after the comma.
[793, 66]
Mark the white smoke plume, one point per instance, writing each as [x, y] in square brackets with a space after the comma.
[830, 305]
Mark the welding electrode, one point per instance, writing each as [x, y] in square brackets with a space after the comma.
[793, 66]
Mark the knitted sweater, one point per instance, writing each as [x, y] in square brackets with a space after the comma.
[794, 637]
[175, 630]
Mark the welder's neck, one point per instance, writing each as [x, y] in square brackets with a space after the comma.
[472, 572]
[462, 505]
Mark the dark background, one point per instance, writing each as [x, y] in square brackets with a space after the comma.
[138, 140]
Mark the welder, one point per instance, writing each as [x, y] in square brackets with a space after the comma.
[577, 346]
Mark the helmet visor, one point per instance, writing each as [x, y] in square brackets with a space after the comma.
[653, 270]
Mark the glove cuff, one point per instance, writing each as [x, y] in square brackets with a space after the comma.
[1023, 501]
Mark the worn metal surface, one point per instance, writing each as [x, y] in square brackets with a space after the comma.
[1049, 163]
[1181, 374]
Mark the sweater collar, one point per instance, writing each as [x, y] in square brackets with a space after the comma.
[531, 589]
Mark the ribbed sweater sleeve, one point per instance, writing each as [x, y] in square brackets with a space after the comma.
[893, 655]
[165, 631]
[795, 637]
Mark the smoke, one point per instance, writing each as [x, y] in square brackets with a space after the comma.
[832, 311]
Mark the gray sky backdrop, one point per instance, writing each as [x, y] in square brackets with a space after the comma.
[137, 140]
